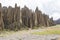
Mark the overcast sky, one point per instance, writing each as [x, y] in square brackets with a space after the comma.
[50, 7]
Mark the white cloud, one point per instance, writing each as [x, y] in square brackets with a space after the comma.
[9, 2]
[56, 16]
[52, 8]
[47, 6]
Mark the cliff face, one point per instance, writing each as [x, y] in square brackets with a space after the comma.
[13, 18]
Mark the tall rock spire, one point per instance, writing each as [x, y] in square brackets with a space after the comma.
[15, 5]
[0, 4]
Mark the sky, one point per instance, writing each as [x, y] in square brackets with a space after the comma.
[49, 7]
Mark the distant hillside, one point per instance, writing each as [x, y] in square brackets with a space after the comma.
[57, 21]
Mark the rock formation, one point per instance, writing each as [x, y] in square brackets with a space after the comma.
[12, 18]
[1, 18]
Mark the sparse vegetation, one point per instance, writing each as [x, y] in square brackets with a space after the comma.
[46, 32]
[50, 30]
[6, 33]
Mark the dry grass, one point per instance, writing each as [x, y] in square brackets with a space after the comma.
[7, 33]
[49, 30]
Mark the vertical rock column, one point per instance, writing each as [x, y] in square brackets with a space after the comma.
[17, 13]
[1, 19]
[5, 16]
[9, 15]
[17, 17]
